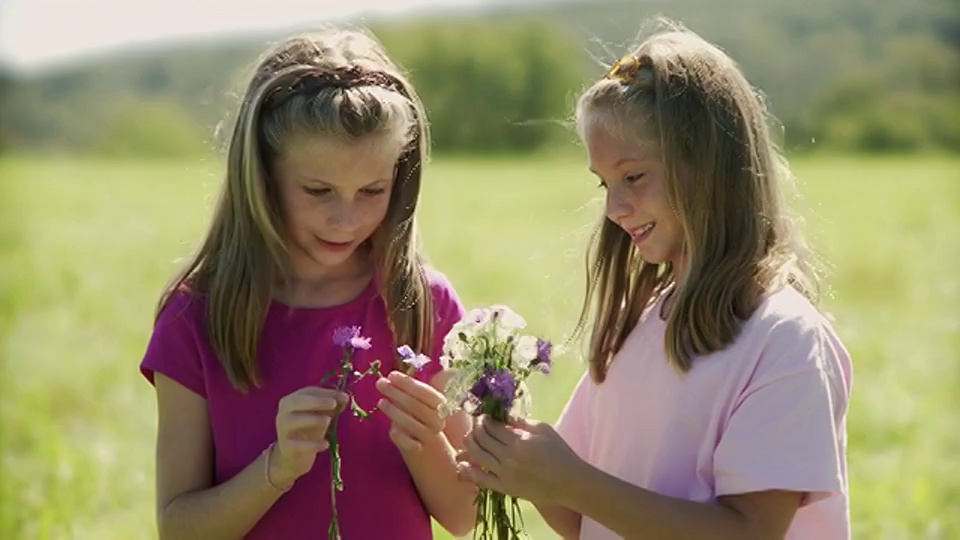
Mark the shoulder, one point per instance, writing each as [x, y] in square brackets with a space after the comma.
[793, 336]
[179, 307]
[785, 316]
[440, 285]
[177, 346]
[442, 291]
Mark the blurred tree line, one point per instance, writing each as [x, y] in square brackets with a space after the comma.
[856, 75]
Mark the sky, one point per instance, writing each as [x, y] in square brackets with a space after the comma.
[38, 33]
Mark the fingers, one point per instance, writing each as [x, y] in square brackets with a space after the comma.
[522, 423]
[417, 409]
[482, 450]
[423, 392]
[496, 430]
[406, 423]
[404, 441]
[314, 399]
[305, 425]
[297, 446]
[476, 475]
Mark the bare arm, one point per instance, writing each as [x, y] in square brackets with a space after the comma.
[531, 460]
[429, 447]
[448, 499]
[634, 512]
[188, 504]
[563, 521]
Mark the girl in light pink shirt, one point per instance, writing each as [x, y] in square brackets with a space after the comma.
[716, 398]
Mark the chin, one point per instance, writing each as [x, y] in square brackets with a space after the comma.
[652, 258]
[331, 259]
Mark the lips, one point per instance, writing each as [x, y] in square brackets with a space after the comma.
[639, 234]
[334, 246]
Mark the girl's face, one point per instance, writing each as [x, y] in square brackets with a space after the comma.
[635, 181]
[334, 194]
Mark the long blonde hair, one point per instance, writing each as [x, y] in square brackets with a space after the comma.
[726, 181]
[340, 83]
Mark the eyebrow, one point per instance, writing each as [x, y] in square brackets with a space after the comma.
[313, 179]
[623, 161]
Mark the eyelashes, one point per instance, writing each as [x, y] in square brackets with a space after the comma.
[630, 179]
[323, 192]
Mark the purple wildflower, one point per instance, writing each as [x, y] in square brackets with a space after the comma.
[543, 362]
[348, 337]
[499, 385]
[412, 358]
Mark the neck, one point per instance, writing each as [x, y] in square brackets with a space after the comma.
[679, 268]
[303, 270]
[314, 285]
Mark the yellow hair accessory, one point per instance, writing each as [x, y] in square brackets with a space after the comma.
[625, 69]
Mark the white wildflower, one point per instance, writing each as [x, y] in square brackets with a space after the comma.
[524, 352]
[507, 318]
[523, 406]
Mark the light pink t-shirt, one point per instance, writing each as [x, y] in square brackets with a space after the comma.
[768, 412]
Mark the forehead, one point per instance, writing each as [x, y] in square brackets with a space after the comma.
[338, 160]
[606, 150]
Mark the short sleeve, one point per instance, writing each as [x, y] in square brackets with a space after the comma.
[574, 422]
[448, 310]
[173, 349]
[786, 430]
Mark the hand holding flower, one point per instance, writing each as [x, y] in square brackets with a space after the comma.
[302, 423]
[492, 358]
[525, 459]
[413, 408]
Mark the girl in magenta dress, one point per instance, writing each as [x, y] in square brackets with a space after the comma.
[314, 231]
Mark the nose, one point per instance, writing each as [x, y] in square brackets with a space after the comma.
[619, 207]
[345, 215]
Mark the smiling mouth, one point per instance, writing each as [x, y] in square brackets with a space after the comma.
[641, 233]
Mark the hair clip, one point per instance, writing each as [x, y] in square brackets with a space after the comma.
[625, 69]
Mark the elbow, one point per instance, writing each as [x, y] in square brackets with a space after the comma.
[460, 524]
[164, 530]
[459, 530]
[165, 525]
[459, 521]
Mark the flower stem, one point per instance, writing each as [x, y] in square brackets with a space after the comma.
[336, 480]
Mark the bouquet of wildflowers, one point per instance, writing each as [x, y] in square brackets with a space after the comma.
[348, 338]
[492, 359]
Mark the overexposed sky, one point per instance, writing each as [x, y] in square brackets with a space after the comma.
[35, 33]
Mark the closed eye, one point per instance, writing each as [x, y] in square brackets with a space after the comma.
[632, 178]
[373, 191]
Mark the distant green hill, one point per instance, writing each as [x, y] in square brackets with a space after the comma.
[855, 75]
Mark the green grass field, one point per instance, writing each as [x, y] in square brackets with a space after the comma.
[86, 246]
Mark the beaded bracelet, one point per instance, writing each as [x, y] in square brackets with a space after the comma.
[266, 471]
